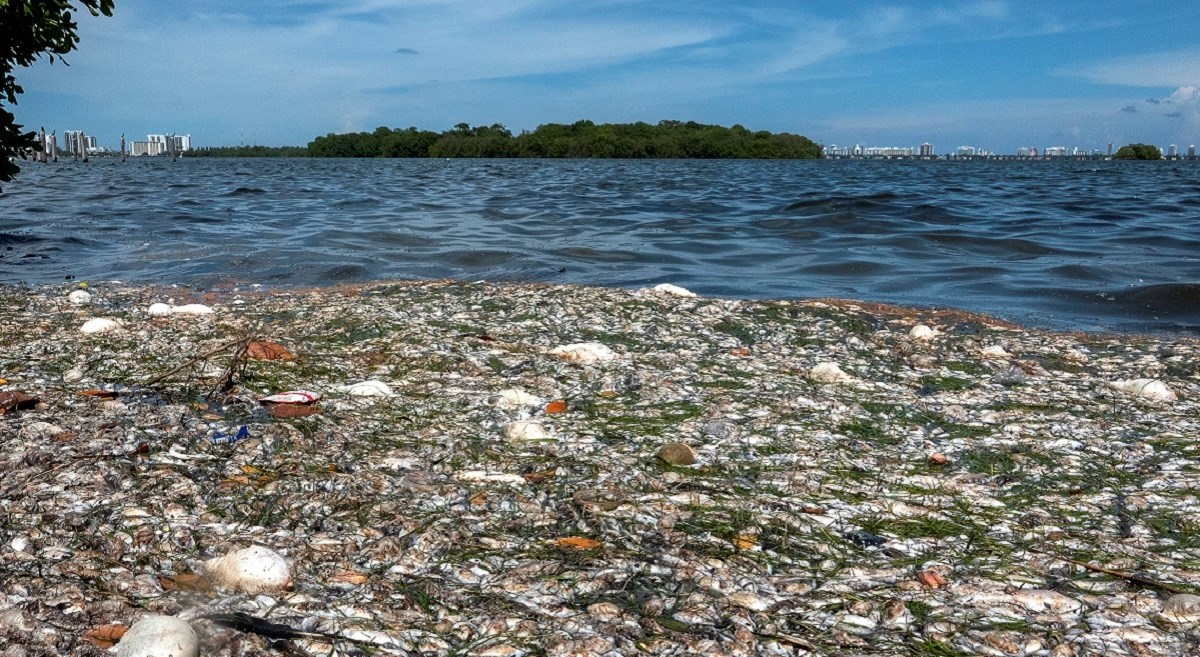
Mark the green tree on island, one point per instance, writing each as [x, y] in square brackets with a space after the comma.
[1138, 152]
[29, 29]
[582, 139]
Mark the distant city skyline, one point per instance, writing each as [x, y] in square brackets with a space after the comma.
[1002, 73]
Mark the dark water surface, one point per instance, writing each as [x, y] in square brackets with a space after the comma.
[1066, 245]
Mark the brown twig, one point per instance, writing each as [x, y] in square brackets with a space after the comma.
[243, 342]
[1129, 577]
[237, 362]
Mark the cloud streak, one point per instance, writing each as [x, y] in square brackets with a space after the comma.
[282, 72]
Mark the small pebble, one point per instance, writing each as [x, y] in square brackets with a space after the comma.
[829, 373]
[192, 309]
[921, 332]
[584, 353]
[677, 454]
[99, 325]
[524, 430]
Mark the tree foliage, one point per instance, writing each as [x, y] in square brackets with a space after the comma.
[28, 30]
[1138, 152]
[582, 139]
[249, 151]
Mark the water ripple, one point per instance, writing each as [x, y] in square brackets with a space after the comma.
[1071, 245]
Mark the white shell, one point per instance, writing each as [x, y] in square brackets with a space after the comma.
[514, 398]
[525, 430]
[372, 388]
[80, 297]
[921, 332]
[994, 351]
[192, 309]
[480, 476]
[99, 325]
[1145, 388]
[159, 636]
[673, 290]
[829, 373]
[255, 569]
[159, 310]
[584, 353]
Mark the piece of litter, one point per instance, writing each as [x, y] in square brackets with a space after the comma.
[219, 438]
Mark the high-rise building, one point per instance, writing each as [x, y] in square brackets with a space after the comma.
[1172, 151]
[1056, 151]
[1192, 152]
[1110, 149]
[927, 150]
[965, 151]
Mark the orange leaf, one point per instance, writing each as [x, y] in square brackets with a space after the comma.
[102, 394]
[578, 543]
[266, 350]
[744, 541]
[740, 351]
[931, 579]
[479, 499]
[3, 381]
[349, 577]
[553, 407]
[105, 636]
[232, 482]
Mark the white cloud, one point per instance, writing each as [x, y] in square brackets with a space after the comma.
[1160, 69]
[1184, 95]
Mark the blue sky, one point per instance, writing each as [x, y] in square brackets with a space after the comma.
[996, 74]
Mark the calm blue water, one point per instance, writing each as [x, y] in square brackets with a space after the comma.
[1067, 245]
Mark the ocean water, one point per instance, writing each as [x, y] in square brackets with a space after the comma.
[1079, 245]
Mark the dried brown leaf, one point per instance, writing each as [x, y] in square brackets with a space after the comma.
[578, 543]
[267, 350]
[105, 636]
[15, 400]
[349, 577]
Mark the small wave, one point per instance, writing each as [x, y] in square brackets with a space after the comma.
[848, 268]
[1174, 300]
[14, 239]
[246, 191]
[825, 204]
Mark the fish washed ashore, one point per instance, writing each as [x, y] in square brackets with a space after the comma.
[510, 470]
